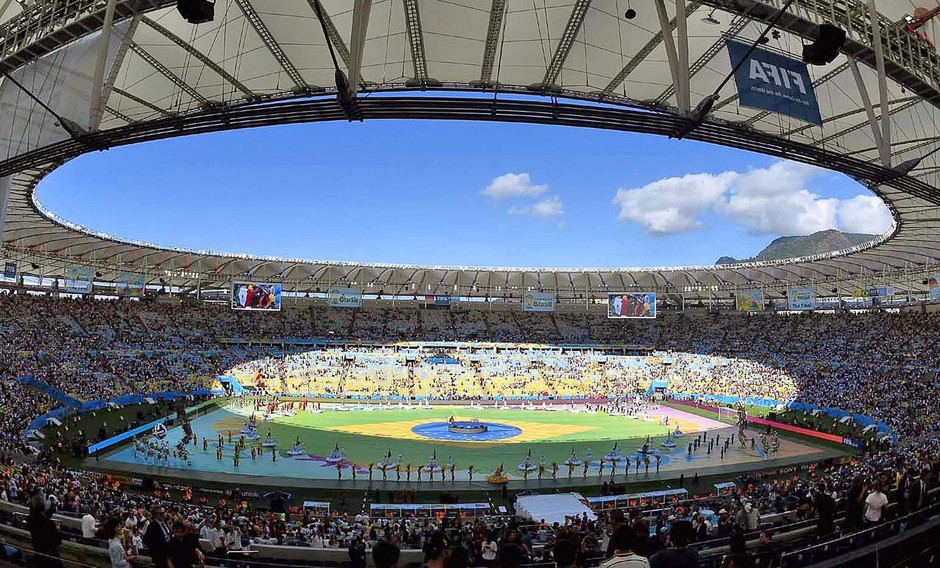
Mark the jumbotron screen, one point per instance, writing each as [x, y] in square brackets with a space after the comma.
[256, 296]
[631, 305]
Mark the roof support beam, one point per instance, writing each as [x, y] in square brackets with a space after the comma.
[188, 48]
[267, 38]
[360, 26]
[572, 28]
[848, 113]
[333, 36]
[882, 82]
[119, 114]
[116, 64]
[3, 9]
[678, 65]
[682, 47]
[883, 150]
[736, 26]
[104, 41]
[641, 55]
[163, 70]
[416, 41]
[143, 102]
[493, 31]
[47, 26]
[911, 101]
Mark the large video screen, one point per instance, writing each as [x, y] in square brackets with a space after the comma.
[256, 296]
[631, 305]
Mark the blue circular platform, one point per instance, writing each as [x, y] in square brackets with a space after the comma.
[441, 431]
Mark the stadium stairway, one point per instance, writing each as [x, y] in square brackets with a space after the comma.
[54, 394]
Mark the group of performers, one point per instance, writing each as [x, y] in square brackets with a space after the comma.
[158, 452]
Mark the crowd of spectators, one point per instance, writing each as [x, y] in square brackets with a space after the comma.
[872, 364]
[876, 364]
[840, 498]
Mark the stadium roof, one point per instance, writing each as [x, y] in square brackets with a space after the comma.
[567, 62]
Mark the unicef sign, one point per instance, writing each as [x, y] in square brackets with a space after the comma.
[538, 302]
[345, 297]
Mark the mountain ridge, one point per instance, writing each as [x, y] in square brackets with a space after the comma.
[804, 245]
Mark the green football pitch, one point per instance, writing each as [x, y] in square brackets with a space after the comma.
[367, 436]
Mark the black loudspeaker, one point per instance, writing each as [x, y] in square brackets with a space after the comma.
[196, 11]
[826, 47]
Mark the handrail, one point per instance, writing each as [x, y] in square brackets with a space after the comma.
[892, 525]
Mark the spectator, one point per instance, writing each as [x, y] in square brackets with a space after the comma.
[89, 525]
[385, 555]
[119, 557]
[184, 548]
[875, 504]
[624, 544]
[678, 555]
[157, 538]
[565, 554]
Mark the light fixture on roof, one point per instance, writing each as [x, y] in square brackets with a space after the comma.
[710, 18]
[630, 13]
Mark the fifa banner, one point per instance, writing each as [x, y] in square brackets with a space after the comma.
[256, 296]
[801, 299]
[130, 285]
[631, 305]
[749, 300]
[345, 297]
[9, 269]
[440, 300]
[774, 82]
[933, 283]
[538, 302]
[78, 279]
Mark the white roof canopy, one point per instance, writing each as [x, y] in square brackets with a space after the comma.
[569, 62]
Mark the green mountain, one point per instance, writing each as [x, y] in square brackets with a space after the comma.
[790, 247]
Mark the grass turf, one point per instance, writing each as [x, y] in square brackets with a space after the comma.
[368, 435]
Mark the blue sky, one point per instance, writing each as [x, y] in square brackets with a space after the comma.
[455, 193]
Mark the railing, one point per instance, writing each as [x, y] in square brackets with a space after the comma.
[856, 540]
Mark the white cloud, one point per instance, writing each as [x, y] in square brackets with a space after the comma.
[544, 209]
[865, 214]
[672, 205]
[513, 185]
[772, 200]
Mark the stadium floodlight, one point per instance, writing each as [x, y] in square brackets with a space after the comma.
[196, 11]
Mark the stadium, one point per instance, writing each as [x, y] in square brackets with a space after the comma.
[231, 409]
